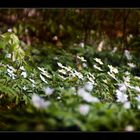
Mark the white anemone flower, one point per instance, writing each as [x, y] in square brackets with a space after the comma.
[24, 88]
[127, 55]
[62, 77]
[60, 65]
[87, 96]
[22, 68]
[131, 65]
[43, 79]
[114, 49]
[58, 98]
[127, 73]
[129, 128]
[39, 102]
[8, 55]
[48, 91]
[68, 69]
[127, 105]
[136, 88]
[24, 74]
[62, 71]
[137, 77]
[81, 58]
[41, 69]
[81, 44]
[98, 60]
[96, 67]
[44, 72]
[113, 69]
[126, 79]
[91, 79]
[112, 75]
[84, 65]
[11, 68]
[81, 91]
[78, 74]
[88, 86]
[10, 30]
[121, 97]
[84, 109]
[122, 87]
[11, 73]
[33, 82]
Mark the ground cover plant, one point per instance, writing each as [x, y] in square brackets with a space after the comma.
[67, 92]
[83, 87]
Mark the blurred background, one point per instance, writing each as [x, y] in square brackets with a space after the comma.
[65, 28]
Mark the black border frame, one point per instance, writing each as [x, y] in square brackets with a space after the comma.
[13, 135]
[69, 4]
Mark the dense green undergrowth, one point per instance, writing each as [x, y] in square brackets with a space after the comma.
[79, 89]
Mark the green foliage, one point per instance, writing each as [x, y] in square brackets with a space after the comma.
[88, 87]
[10, 43]
[69, 90]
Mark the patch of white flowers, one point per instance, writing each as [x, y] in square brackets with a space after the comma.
[97, 67]
[33, 82]
[11, 72]
[44, 72]
[91, 78]
[122, 97]
[122, 87]
[69, 72]
[81, 58]
[112, 71]
[23, 73]
[84, 92]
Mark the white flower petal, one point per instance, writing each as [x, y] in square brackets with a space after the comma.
[43, 79]
[24, 74]
[98, 60]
